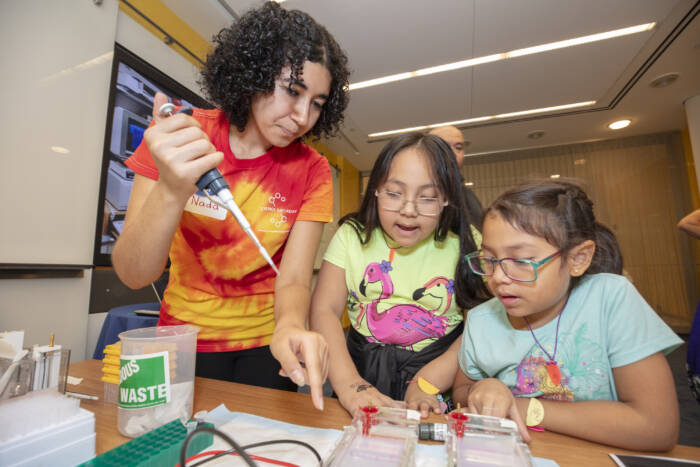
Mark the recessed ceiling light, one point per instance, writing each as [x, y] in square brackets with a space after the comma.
[664, 80]
[502, 56]
[482, 119]
[468, 183]
[60, 149]
[554, 176]
[619, 124]
[535, 134]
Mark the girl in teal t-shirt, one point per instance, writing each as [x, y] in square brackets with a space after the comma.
[396, 265]
[567, 344]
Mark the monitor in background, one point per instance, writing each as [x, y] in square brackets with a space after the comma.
[133, 86]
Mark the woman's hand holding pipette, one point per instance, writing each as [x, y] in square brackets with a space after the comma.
[182, 153]
[180, 149]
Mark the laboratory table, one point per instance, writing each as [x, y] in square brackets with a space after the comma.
[297, 408]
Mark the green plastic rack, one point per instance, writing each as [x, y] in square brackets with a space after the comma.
[160, 447]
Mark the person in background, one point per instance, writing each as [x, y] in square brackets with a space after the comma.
[453, 136]
[275, 76]
[690, 224]
[474, 210]
[396, 264]
[584, 353]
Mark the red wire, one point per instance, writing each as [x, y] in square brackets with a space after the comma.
[257, 458]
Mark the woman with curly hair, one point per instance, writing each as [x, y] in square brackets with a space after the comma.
[274, 76]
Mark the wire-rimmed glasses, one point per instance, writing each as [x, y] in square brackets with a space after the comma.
[519, 270]
[424, 205]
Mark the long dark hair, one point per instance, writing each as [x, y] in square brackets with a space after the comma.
[250, 54]
[561, 213]
[469, 288]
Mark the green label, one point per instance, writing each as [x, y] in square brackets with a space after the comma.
[144, 380]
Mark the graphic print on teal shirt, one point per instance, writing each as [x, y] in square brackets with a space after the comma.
[403, 325]
[581, 362]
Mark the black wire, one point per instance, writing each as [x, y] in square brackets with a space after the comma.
[236, 447]
[263, 443]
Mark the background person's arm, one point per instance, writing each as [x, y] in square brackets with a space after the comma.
[690, 224]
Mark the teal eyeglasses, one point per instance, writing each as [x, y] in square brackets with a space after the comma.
[520, 270]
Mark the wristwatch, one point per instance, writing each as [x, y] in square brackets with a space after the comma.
[535, 412]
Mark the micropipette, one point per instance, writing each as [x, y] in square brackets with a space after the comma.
[213, 182]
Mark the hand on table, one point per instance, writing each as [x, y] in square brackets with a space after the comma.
[421, 401]
[361, 394]
[491, 397]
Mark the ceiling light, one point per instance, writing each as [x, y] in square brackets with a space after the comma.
[554, 176]
[664, 80]
[482, 119]
[468, 183]
[502, 56]
[60, 149]
[535, 134]
[619, 124]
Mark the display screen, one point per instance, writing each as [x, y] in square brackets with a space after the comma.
[133, 86]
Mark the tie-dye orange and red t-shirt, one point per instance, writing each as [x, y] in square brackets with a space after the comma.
[218, 279]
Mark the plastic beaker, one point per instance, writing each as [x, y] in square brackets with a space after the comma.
[156, 377]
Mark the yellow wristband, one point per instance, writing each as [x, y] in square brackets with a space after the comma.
[535, 412]
[428, 388]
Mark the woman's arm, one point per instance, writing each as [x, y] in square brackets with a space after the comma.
[327, 306]
[440, 373]
[182, 152]
[291, 341]
[141, 251]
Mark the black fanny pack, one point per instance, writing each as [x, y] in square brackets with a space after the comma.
[387, 367]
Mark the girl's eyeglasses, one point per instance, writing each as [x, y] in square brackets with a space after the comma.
[519, 270]
[424, 205]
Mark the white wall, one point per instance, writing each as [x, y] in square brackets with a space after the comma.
[56, 62]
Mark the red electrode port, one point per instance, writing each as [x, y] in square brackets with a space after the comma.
[369, 418]
[458, 420]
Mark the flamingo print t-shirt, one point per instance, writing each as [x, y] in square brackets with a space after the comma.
[218, 279]
[606, 324]
[402, 296]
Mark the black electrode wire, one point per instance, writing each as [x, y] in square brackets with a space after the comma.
[234, 445]
[263, 443]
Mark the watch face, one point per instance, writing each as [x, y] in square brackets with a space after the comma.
[535, 413]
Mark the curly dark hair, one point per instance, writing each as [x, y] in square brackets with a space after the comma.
[250, 54]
